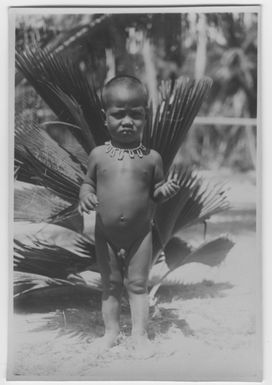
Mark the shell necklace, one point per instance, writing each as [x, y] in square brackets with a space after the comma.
[112, 151]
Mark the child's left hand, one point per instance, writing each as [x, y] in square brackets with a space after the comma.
[170, 188]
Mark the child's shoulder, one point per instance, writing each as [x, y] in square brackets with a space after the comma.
[96, 154]
[155, 155]
[96, 151]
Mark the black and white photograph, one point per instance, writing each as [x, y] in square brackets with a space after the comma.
[136, 197]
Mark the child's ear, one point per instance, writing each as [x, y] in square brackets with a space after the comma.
[104, 116]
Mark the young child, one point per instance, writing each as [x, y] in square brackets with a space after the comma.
[124, 180]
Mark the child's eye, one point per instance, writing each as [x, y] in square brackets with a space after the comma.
[136, 115]
[117, 115]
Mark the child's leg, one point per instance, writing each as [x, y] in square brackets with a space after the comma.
[112, 287]
[139, 261]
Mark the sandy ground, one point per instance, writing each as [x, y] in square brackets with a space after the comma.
[206, 328]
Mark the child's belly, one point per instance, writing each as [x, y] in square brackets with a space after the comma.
[124, 217]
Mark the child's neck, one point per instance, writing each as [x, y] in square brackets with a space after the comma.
[122, 145]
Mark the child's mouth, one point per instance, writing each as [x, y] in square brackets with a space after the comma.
[126, 132]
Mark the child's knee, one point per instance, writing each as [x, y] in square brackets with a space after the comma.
[113, 289]
[136, 285]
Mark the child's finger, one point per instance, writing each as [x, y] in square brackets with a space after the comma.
[79, 209]
[175, 176]
[89, 202]
[175, 179]
[86, 207]
[172, 190]
[170, 175]
[93, 200]
[167, 190]
[175, 184]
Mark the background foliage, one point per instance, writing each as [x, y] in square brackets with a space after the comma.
[158, 47]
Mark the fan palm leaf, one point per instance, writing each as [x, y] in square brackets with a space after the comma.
[211, 253]
[63, 85]
[49, 260]
[38, 288]
[28, 282]
[73, 37]
[66, 135]
[46, 163]
[179, 105]
[195, 202]
[36, 203]
[54, 235]
[85, 135]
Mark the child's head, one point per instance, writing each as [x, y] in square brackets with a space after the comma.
[125, 100]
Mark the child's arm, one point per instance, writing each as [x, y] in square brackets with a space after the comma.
[163, 190]
[87, 194]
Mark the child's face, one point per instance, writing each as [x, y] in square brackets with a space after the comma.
[125, 114]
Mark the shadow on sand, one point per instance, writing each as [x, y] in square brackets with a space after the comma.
[78, 316]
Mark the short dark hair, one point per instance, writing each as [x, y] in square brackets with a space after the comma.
[127, 80]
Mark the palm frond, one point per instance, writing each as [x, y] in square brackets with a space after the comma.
[54, 235]
[63, 85]
[206, 200]
[74, 36]
[84, 135]
[43, 162]
[211, 253]
[68, 218]
[36, 203]
[66, 135]
[176, 250]
[88, 278]
[48, 260]
[40, 289]
[25, 283]
[195, 203]
[167, 213]
[179, 105]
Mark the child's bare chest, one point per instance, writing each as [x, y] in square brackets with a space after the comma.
[137, 169]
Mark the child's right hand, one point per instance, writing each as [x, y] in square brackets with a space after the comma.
[87, 203]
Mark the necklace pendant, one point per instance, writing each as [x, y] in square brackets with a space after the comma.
[112, 152]
[108, 146]
[121, 155]
[140, 153]
[131, 154]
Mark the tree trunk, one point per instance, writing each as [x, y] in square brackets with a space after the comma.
[201, 50]
[150, 72]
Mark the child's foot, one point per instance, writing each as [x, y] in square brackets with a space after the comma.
[101, 345]
[142, 347]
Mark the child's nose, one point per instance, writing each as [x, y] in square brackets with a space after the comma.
[127, 120]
